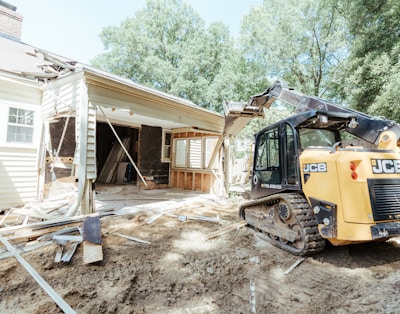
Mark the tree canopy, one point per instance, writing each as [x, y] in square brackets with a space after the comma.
[168, 47]
[337, 49]
[300, 42]
[372, 70]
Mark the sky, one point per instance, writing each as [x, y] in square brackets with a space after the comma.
[71, 28]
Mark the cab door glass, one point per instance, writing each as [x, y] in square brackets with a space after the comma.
[291, 157]
[267, 160]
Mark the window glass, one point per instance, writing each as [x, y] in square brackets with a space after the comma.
[291, 158]
[210, 144]
[267, 159]
[166, 147]
[20, 125]
[316, 137]
[195, 153]
[180, 153]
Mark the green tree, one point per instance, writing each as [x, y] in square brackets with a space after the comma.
[371, 74]
[167, 46]
[301, 42]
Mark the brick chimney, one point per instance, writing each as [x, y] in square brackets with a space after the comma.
[10, 21]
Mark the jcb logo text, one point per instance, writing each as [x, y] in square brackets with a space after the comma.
[318, 167]
[385, 166]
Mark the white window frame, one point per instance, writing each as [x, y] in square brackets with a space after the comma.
[22, 121]
[165, 146]
[4, 116]
[186, 159]
[180, 160]
[208, 153]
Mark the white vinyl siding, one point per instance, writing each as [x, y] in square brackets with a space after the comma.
[61, 98]
[18, 176]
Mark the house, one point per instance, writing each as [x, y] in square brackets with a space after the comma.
[64, 120]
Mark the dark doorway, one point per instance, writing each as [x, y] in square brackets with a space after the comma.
[113, 165]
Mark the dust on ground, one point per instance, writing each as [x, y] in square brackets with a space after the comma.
[179, 272]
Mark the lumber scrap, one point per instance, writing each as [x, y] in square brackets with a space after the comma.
[26, 249]
[38, 229]
[5, 216]
[197, 217]
[46, 287]
[155, 217]
[116, 155]
[225, 230]
[92, 252]
[59, 253]
[67, 237]
[91, 233]
[68, 255]
[29, 233]
[131, 238]
[295, 264]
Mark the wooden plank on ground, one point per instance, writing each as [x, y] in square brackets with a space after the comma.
[225, 230]
[92, 252]
[91, 233]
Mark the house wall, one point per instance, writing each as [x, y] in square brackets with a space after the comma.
[18, 161]
[187, 177]
[61, 97]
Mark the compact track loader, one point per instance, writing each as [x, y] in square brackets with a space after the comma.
[327, 173]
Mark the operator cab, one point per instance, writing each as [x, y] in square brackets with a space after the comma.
[278, 147]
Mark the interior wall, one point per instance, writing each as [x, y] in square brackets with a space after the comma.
[150, 164]
[67, 150]
[105, 141]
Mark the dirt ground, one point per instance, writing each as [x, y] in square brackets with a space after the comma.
[180, 272]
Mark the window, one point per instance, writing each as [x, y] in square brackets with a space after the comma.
[20, 125]
[180, 153]
[166, 146]
[209, 144]
[194, 153]
[267, 159]
[316, 137]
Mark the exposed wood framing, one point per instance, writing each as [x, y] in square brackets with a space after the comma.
[61, 142]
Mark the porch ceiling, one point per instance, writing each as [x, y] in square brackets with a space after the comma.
[125, 117]
[126, 102]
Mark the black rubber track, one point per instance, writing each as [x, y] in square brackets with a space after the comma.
[313, 242]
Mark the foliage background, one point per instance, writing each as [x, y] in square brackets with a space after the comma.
[346, 51]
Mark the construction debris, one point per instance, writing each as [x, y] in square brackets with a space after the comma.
[295, 264]
[225, 230]
[131, 238]
[49, 290]
[91, 234]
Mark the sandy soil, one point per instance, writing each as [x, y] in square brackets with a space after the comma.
[180, 273]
